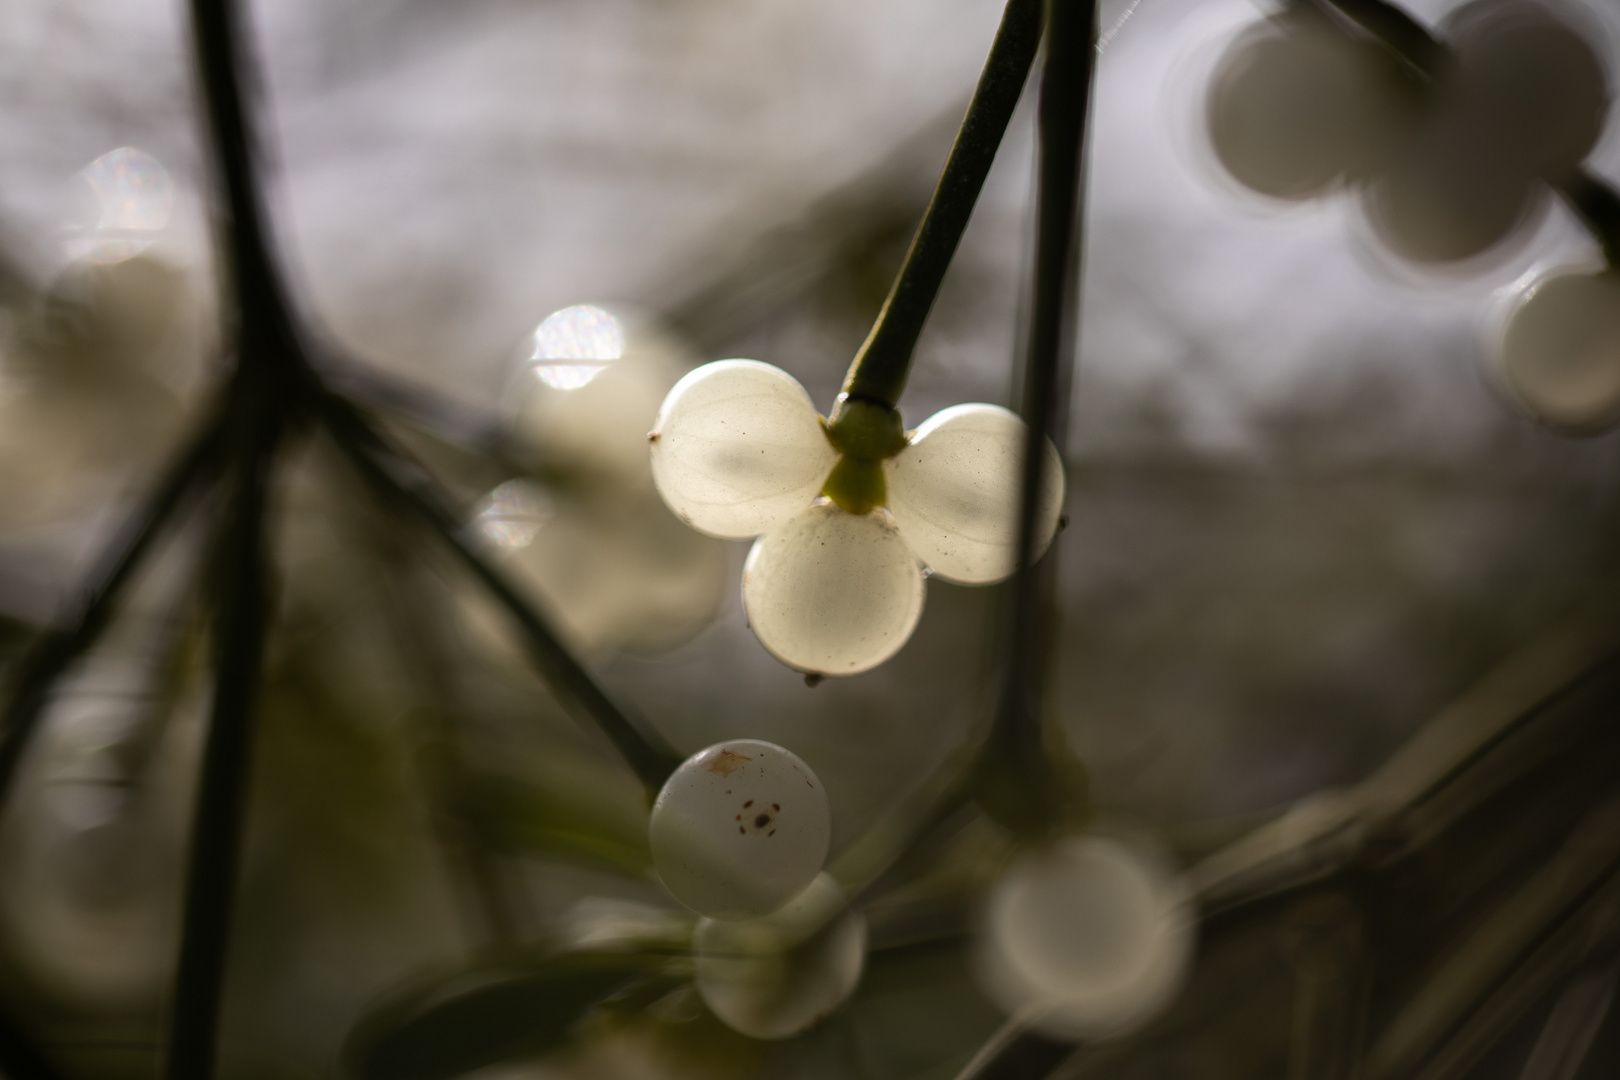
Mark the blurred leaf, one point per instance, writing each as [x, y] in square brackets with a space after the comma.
[449, 1025]
[527, 819]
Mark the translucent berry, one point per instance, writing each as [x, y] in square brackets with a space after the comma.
[1560, 355]
[954, 492]
[774, 977]
[833, 593]
[740, 829]
[738, 448]
[1087, 938]
[1295, 106]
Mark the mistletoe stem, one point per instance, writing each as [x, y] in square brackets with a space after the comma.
[878, 374]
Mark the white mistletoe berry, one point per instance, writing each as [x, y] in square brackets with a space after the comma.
[955, 488]
[1560, 351]
[739, 829]
[1087, 938]
[738, 448]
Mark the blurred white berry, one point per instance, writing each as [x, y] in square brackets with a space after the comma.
[835, 586]
[739, 829]
[1087, 938]
[1560, 352]
[92, 844]
[615, 572]
[1297, 105]
[587, 390]
[1523, 100]
[774, 977]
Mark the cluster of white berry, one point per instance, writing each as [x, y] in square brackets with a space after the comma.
[1446, 168]
[834, 585]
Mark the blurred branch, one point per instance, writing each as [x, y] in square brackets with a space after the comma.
[400, 482]
[50, 657]
[879, 370]
[240, 561]
[1019, 784]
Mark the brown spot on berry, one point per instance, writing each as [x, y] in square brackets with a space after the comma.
[762, 821]
[747, 804]
[726, 762]
[737, 818]
[771, 833]
[742, 830]
[777, 807]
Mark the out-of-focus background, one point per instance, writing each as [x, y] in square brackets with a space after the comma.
[1301, 519]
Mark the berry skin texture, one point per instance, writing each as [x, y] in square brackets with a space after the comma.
[1085, 939]
[1560, 353]
[738, 448]
[831, 592]
[775, 977]
[740, 829]
[954, 492]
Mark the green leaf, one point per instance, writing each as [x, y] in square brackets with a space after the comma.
[446, 1026]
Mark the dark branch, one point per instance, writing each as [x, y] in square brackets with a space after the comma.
[879, 371]
[402, 483]
[59, 648]
[240, 567]
[1019, 785]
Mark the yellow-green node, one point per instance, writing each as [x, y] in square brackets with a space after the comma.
[856, 485]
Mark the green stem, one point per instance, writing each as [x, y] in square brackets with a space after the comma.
[878, 374]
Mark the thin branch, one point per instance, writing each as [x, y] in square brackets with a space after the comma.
[240, 559]
[188, 471]
[1020, 784]
[400, 482]
[878, 373]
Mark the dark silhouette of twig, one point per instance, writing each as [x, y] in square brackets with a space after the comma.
[403, 483]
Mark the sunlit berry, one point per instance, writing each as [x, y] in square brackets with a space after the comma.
[833, 592]
[954, 491]
[738, 448]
